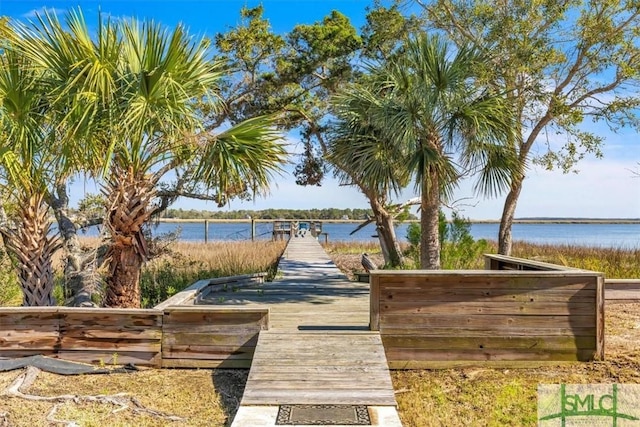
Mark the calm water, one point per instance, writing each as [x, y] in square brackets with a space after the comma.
[604, 235]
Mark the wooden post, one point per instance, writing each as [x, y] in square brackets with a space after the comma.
[374, 302]
[600, 332]
[206, 230]
[253, 229]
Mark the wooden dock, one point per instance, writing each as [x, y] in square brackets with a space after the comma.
[318, 349]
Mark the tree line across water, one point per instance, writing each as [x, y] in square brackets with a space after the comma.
[326, 213]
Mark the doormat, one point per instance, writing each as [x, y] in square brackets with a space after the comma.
[323, 415]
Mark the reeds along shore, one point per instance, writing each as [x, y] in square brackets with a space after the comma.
[182, 263]
[176, 266]
[615, 263]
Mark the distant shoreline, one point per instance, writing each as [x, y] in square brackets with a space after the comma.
[488, 221]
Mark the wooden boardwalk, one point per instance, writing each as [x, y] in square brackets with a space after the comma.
[318, 349]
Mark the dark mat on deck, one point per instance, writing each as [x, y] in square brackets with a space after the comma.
[319, 415]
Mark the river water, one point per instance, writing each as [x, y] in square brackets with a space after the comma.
[625, 236]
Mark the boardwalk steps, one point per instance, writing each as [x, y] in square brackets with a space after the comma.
[318, 349]
[331, 368]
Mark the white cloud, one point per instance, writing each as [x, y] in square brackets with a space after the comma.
[41, 11]
[286, 194]
[602, 189]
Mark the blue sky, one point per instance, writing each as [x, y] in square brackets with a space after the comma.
[603, 187]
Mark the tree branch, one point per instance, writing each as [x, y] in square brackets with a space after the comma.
[19, 386]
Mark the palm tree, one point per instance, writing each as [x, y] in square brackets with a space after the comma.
[28, 156]
[142, 88]
[164, 74]
[426, 105]
[364, 158]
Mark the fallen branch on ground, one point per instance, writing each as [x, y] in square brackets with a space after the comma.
[21, 384]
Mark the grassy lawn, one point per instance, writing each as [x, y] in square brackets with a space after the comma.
[454, 397]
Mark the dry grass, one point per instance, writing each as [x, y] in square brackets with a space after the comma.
[184, 263]
[200, 397]
[507, 397]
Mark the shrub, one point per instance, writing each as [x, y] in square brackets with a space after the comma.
[458, 248]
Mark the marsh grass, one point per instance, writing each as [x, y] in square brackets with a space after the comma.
[352, 247]
[179, 265]
[615, 263]
[185, 263]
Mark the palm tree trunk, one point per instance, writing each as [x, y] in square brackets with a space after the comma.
[388, 240]
[430, 207]
[128, 196]
[505, 239]
[123, 284]
[386, 233]
[32, 249]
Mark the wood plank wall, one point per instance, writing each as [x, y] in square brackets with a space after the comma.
[439, 319]
[202, 337]
[96, 335]
[196, 336]
[27, 331]
[622, 291]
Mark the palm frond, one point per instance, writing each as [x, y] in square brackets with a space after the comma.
[242, 158]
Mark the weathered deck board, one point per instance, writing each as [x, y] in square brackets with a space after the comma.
[355, 370]
[318, 349]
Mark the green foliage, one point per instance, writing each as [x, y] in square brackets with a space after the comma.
[162, 280]
[413, 234]
[92, 205]
[424, 115]
[295, 74]
[558, 56]
[557, 63]
[459, 250]
[10, 292]
[131, 93]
